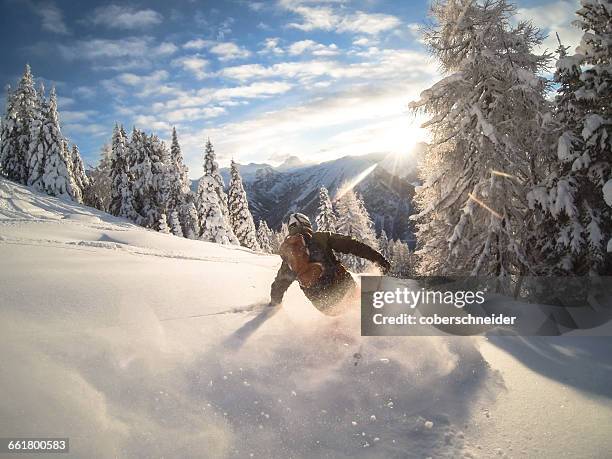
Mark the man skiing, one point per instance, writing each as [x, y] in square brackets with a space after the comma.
[309, 258]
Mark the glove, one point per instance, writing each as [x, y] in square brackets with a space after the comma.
[385, 266]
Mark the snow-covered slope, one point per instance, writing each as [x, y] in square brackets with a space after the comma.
[139, 344]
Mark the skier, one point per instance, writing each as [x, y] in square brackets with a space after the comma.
[308, 257]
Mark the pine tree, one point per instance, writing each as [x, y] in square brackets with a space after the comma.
[326, 218]
[265, 237]
[215, 225]
[99, 192]
[241, 219]
[151, 188]
[401, 265]
[384, 245]
[78, 169]
[179, 164]
[573, 193]
[354, 221]
[122, 199]
[39, 142]
[51, 150]
[162, 224]
[490, 145]
[21, 108]
[211, 168]
[175, 224]
[190, 217]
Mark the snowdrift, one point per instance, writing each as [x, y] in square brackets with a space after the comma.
[140, 344]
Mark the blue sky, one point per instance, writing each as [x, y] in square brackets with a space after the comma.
[315, 78]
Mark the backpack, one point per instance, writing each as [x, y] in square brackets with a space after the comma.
[295, 251]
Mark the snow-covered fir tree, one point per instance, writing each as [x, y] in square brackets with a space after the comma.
[22, 107]
[190, 218]
[178, 162]
[175, 224]
[213, 225]
[78, 169]
[122, 199]
[150, 187]
[384, 245]
[49, 154]
[241, 219]
[489, 145]
[354, 221]
[326, 218]
[401, 259]
[265, 237]
[573, 193]
[99, 190]
[39, 142]
[162, 225]
[211, 168]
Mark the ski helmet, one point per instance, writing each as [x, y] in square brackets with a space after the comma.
[299, 222]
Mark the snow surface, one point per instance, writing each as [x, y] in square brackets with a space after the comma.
[140, 344]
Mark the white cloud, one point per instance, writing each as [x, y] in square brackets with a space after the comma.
[259, 89]
[125, 17]
[309, 46]
[52, 18]
[270, 45]
[554, 17]
[120, 54]
[197, 44]
[194, 64]
[77, 116]
[327, 18]
[86, 92]
[227, 51]
[368, 23]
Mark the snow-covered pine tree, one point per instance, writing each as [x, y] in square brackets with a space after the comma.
[573, 193]
[264, 237]
[211, 168]
[401, 265]
[179, 164]
[162, 224]
[21, 108]
[326, 218]
[78, 169]
[213, 225]
[241, 219]
[38, 143]
[384, 245]
[489, 144]
[48, 149]
[354, 221]
[175, 224]
[122, 198]
[98, 194]
[150, 186]
[190, 218]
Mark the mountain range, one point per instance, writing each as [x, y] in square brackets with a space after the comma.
[385, 182]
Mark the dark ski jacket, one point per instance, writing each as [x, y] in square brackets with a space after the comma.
[336, 281]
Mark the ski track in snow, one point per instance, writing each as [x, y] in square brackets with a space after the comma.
[140, 344]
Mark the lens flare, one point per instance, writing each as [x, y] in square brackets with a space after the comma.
[483, 205]
[354, 182]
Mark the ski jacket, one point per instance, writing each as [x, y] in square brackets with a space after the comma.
[334, 280]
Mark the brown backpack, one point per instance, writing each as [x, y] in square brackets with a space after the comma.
[295, 251]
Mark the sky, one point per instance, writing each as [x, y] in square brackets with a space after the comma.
[319, 79]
